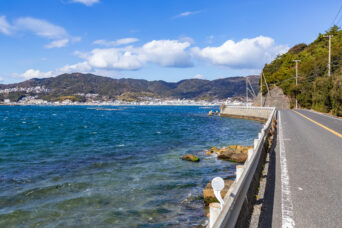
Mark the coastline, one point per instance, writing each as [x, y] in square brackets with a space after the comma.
[95, 104]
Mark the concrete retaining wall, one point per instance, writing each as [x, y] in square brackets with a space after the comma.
[246, 112]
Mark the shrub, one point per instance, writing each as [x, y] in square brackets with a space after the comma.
[320, 95]
[336, 95]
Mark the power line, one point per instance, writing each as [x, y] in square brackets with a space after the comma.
[337, 16]
[338, 20]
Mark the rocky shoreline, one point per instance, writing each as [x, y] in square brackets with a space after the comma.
[232, 153]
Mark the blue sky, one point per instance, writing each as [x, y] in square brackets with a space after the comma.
[152, 39]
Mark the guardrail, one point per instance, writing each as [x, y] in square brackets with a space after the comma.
[229, 212]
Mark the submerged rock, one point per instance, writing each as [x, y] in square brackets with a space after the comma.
[190, 157]
[208, 192]
[211, 150]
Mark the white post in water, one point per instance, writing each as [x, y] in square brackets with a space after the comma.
[215, 208]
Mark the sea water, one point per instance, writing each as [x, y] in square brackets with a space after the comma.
[83, 166]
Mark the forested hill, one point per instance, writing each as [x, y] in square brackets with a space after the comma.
[315, 89]
[71, 84]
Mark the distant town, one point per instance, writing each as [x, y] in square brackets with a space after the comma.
[96, 99]
[37, 89]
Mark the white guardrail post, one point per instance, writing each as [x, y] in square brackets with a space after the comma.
[215, 208]
[226, 213]
[239, 171]
[250, 154]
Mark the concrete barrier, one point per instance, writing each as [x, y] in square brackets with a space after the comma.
[237, 202]
[246, 112]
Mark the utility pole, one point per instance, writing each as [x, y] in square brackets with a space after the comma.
[297, 60]
[329, 58]
[268, 89]
[246, 92]
[261, 90]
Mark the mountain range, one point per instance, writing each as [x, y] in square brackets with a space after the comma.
[77, 83]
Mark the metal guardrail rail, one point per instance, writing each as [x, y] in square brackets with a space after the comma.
[237, 193]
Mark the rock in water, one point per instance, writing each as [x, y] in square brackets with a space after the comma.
[208, 192]
[211, 113]
[190, 157]
[234, 153]
[239, 158]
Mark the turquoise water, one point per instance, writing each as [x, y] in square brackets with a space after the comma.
[113, 167]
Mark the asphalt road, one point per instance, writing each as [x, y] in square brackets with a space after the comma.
[308, 171]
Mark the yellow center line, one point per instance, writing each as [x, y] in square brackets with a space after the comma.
[321, 125]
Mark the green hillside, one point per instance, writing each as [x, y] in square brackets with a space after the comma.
[315, 89]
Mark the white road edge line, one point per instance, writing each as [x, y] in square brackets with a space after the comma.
[286, 201]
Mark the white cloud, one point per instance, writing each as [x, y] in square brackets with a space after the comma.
[40, 28]
[167, 53]
[123, 41]
[82, 67]
[32, 73]
[114, 58]
[187, 13]
[245, 54]
[5, 27]
[57, 43]
[81, 54]
[86, 2]
[199, 76]
[186, 39]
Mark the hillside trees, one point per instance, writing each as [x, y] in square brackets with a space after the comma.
[314, 90]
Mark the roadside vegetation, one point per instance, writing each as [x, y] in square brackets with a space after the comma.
[315, 90]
